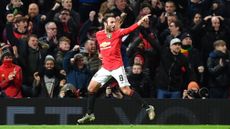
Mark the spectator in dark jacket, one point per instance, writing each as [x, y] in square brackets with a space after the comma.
[140, 81]
[31, 60]
[193, 56]
[219, 69]
[173, 72]
[63, 48]
[48, 82]
[77, 72]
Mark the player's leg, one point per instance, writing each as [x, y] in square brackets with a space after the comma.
[92, 89]
[96, 82]
[120, 75]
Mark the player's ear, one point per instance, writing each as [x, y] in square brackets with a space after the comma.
[105, 24]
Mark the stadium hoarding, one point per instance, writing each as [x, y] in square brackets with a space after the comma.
[111, 111]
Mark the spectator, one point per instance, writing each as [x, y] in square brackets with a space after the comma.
[69, 91]
[17, 33]
[86, 6]
[50, 40]
[140, 81]
[216, 31]
[67, 4]
[121, 6]
[14, 7]
[11, 76]
[170, 9]
[172, 71]
[106, 6]
[67, 26]
[77, 72]
[37, 20]
[64, 47]
[175, 29]
[196, 30]
[90, 27]
[48, 82]
[31, 61]
[193, 56]
[91, 56]
[191, 91]
[218, 64]
[163, 29]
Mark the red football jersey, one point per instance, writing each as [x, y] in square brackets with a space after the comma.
[110, 47]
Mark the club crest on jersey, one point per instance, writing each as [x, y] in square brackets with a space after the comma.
[109, 35]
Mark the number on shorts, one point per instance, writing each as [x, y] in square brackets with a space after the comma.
[121, 78]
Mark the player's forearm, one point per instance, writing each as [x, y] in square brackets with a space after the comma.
[129, 29]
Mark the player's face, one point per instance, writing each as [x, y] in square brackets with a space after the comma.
[110, 25]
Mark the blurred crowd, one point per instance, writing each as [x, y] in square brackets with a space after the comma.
[48, 48]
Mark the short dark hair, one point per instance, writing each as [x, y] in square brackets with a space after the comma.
[108, 15]
[179, 24]
[21, 18]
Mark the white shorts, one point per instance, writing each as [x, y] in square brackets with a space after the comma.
[103, 75]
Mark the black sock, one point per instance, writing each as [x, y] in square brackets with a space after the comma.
[139, 100]
[90, 102]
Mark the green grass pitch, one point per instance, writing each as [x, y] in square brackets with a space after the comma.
[115, 127]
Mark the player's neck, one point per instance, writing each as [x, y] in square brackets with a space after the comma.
[107, 31]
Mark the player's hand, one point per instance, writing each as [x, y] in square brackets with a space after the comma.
[143, 19]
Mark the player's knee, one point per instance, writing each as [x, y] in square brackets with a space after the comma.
[93, 87]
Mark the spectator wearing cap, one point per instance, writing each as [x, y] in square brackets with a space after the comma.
[218, 65]
[77, 72]
[11, 76]
[173, 68]
[193, 56]
[48, 82]
[192, 87]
